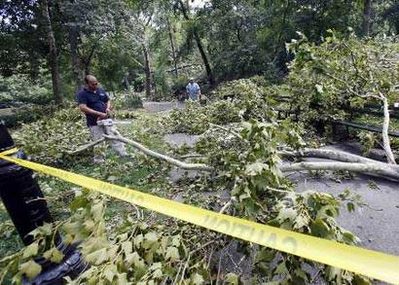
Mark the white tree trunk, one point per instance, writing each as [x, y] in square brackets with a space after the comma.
[385, 137]
[178, 163]
[373, 169]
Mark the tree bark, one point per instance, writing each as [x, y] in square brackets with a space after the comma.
[172, 46]
[385, 137]
[73, 35]
[373, 169]
[147, 71]
[53, 52]
[87, 61]
[204, 59]
[331, 154]
[366, 25]
[201, 49]
[178, 163]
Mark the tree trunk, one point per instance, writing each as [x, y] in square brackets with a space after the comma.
[87, 61]
[147, 71]
[172, 45]
[73, 34]
[372, 169]
[204, 59]
[385, 137]
[168, 159]
[200, 47]
[366, 18]
[53, 52]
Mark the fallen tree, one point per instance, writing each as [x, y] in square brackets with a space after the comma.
[342, 161]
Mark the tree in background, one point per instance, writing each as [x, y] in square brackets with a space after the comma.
[89, 25]
[53, 51]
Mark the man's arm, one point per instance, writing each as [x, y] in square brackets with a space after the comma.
[87, 110]
[108, 106]
[199, 92]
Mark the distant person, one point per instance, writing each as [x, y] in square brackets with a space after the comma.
[94, 102]
[193, 90]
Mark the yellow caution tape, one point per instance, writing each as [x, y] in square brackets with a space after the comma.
[370, 263]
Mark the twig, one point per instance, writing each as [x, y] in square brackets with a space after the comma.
[279, 191]
[86, 146]
[184, 269]
[138, 213]
[234, 263]
[227, 205]
[202, 246]
[178, 273]
[220, 263]
[36, 200]
[227, 130]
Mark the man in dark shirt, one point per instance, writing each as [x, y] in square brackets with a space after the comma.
[94, 102]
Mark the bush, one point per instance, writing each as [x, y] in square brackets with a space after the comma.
[19, 88]
[128, 100]
[26, 114]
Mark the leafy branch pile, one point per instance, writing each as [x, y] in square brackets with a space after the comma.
[131, 252]
[245, 99]
[48, 139]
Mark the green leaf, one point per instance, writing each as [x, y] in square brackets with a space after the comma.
[110, 272]
[265, 254]
[287, 214]
[31, 250]
[138, 240]
[255, 168]
[135, 259]
[361, 280]
[350, 206]
[172, 254]
[281, 268]
[157, 274]
[112, 178]
[197, 279]
[319, 88]
[319, 228]
[31, 269]
[53, 255]
[149, 239]
[97, 257]
[97, 211]
[127, 247]
[232, 278]
[122, 279]
[176, 240]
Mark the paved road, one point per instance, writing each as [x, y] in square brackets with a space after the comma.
[377, 225]
[155, 107]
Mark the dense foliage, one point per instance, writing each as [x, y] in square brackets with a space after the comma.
[329, 80]
[154, 45]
